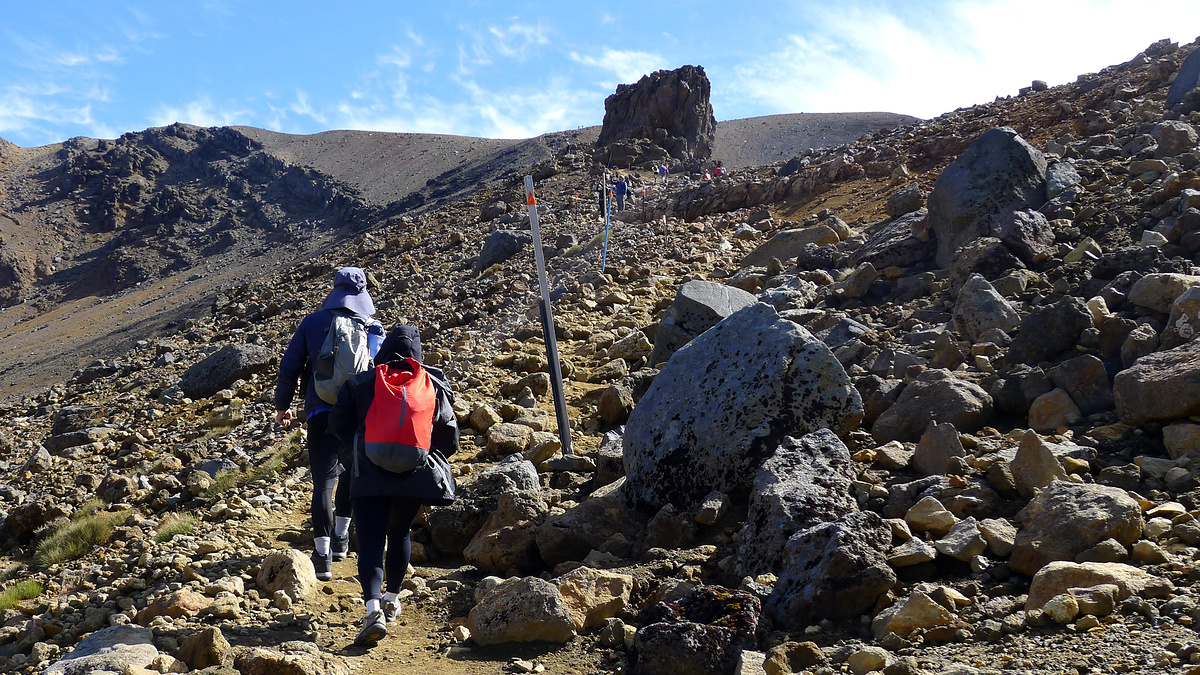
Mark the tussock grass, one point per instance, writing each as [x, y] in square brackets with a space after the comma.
[87, 528]
[172, 525]
[228, 480]
[22, 590]
[594, 241]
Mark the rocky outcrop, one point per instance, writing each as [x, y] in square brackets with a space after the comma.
[722, 403]
[670, 108]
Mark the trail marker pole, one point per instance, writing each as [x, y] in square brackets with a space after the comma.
[607, 211]
[552, 362]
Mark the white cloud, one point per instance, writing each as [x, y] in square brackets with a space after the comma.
[517, 40]
[626, 66]
[201, 112]
[863, 57]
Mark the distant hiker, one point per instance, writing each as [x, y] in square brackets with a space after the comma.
[656, 174]
[620, 187]
[346, 313]
[601, 194]
[400, 416]
[665, 171]
[706, 176]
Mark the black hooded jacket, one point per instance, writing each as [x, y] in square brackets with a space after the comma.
[431, 483]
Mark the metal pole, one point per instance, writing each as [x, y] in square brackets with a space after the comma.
[553, 364]
[607, 211]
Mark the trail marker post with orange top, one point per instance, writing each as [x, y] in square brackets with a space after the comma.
[552, 362]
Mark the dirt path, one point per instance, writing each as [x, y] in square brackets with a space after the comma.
[420, 642]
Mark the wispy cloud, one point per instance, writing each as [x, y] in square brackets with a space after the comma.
[201, 112]
[621, 65]
[864, 56]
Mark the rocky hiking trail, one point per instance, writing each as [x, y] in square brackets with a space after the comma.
[924, 403]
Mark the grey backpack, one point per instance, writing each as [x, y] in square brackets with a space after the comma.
[343, 355]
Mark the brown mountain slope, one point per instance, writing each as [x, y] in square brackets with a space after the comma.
[104, 242]
[755, 141]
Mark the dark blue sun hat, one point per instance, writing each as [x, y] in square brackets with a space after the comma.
[350, 292]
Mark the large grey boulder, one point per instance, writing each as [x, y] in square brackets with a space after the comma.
[1066, 519]
[500, 246]
[788, 244]
[935, 396]
[901, 243]
[980, 308]
[1048, 331]
[722, 404]
[115, 649]
[1160, 386]
[805, 483]
[453, 527]
[998, 174]
[224, 367]
[1028, 235]
[1187, 80]
[698, 306]
[836, 570]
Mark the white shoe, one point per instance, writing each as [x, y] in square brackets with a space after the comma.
[391, 610]
[373, 630]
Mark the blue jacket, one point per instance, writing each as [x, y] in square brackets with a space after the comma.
[296, 364]
[430, 484]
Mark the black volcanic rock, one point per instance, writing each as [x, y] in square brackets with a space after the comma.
[669, 107]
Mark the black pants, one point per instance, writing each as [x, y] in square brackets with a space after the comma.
[330, 495]
[378, 518]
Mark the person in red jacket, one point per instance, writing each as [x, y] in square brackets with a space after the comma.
[386, 502]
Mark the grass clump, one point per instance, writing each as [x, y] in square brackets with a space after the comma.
[227, 480]
[22, 590]
[172, 525]
[87, 528]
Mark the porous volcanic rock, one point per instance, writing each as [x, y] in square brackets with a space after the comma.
[723, 402]
[669, 107]
[998, 174]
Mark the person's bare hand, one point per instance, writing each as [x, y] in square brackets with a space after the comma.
[284, 418]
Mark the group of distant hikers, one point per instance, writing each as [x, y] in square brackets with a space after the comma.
[617, 187]
[381, 429]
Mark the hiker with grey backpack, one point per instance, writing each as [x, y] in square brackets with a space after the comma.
[398, 422]
[329, 347]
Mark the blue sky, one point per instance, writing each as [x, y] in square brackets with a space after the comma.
[517, 69]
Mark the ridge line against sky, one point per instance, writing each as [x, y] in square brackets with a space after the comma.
[515, 70]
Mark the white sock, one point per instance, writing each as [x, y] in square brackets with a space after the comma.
[390, 597]
[341, 527]
[372, 605]
[322, 545]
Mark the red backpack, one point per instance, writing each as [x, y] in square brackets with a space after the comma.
[399, 422]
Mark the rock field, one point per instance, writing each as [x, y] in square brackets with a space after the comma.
[927, 402]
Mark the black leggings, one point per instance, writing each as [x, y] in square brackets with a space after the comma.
[330, 495]
[377, 518]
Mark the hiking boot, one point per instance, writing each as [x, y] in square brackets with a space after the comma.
[323, 566]
[391, 610]
[373, 630]
[340, 547]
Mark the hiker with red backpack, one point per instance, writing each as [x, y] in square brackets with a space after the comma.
[329, 346]
[398, 421]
